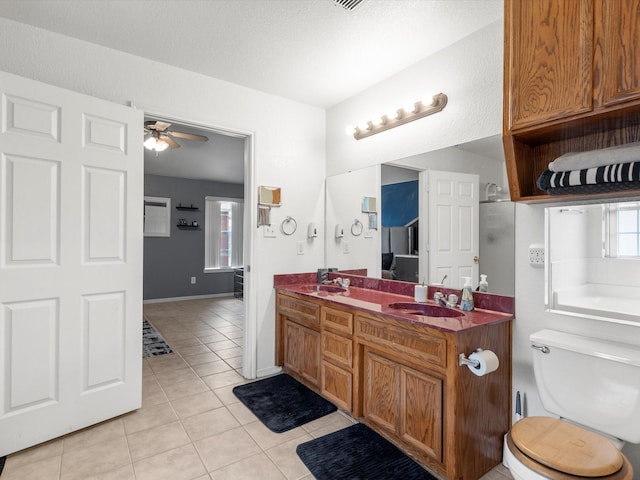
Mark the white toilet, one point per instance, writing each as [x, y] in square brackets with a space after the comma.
[593, 385]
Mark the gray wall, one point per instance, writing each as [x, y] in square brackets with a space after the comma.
[170, 262]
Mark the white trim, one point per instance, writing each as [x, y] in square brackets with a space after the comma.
[220, 270]
[190, 297]
[265, 372]
[250, 345]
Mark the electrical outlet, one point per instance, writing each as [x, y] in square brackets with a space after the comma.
[345, 247]
[268, 231]
[300, 248]
[536, 255]
[193, 280]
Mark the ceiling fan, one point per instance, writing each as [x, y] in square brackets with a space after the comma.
[159, 138]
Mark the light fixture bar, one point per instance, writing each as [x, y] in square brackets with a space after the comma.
[420, 110]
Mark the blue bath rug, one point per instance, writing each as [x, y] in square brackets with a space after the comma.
[358, 453]
[152, 342]
[282, 403]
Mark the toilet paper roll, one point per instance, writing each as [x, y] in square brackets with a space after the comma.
[488, 362]
[420, 293]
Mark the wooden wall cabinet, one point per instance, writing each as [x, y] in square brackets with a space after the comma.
[403, 379]
[571, 83]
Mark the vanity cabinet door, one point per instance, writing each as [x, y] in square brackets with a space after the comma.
[405, 402]
[302, 352]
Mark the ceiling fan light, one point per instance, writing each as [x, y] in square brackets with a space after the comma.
[161, 146]
[150, 143]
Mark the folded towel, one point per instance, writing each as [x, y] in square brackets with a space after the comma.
[619, 173]
[593, 189]
[629, 152]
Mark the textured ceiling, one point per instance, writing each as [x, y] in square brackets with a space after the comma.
[311, 51]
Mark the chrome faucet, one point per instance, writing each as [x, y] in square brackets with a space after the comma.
[342, 282]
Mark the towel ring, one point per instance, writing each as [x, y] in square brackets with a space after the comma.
[289, 226]
[356, 228]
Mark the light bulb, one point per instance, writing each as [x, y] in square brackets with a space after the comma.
[161, 145]
[363, 126]
[428, 100]
[150, 143]
[350, 130]
[409, 108]
[376, 120]
[392, 114]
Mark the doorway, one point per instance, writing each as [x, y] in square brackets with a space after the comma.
[219, 166]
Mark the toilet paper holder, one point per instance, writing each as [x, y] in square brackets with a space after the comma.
[463, 360]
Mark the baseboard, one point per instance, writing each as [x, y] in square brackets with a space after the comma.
[192, 297]
[266, 372]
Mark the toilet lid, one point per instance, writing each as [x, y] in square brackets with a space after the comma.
[566, 447]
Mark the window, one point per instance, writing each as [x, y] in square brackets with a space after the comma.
[223, 233]
[623, 225]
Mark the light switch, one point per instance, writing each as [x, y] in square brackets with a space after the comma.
[300, 248]
[345, 247]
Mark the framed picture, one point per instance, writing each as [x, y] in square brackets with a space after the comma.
[157, 217]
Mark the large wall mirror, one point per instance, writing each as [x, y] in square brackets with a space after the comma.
[593, 269]
[400, 247]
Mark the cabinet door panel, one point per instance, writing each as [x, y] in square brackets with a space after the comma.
[421, 410]
[617, 42]
[381, 395]
[302, 352]
[337, 385]
[548, 58]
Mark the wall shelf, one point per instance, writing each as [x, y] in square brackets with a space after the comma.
[192, 209]
[189, 227]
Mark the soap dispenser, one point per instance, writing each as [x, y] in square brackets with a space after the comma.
[483, 286]
[466, 303]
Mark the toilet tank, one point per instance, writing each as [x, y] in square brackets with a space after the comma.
[589, 381]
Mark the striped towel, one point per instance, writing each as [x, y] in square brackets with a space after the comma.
[618, 173]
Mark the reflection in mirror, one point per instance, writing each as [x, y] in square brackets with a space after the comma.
[592, 268]
[397, 254]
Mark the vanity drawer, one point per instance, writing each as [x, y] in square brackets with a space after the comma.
[337, 349]
[299, 311]
[409, 341]
[337, 320]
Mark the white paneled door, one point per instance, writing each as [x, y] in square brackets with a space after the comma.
[453, 227]
[71, 190]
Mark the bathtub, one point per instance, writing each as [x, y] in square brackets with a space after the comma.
[598, 301]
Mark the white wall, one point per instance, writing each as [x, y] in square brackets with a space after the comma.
[344, 204]
[469, 73]
[289, 137]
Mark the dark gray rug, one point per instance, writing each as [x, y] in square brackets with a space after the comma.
[282, 403]
[358, 453]
[152, 342]
[2, 460]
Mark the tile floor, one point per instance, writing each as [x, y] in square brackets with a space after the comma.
[190, 426]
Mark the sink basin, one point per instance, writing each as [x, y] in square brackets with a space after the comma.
[323, 288]
[426, 309]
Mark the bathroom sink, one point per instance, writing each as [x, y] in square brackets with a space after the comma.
[323, 288]
[426, 309]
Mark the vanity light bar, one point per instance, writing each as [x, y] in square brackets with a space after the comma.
[399, 117]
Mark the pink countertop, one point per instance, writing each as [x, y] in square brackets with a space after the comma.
[378, 301]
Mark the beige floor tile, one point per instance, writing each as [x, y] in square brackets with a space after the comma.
[42, 451]
[226, 395]
[226, 448]
[268, 439]
[287, 460]
[102, 432]
[174, 376]
[229, 353]
[152, 441]
[212, 338]
[192, 349]
[201, 358]
[194, 404]
[185, 388]
[80, 464]
[224, 344]
[235, 363]
[166, 362]
[122, 473]
[210, 368]
[43, 469]
[152, 393]
[223, 379]
[148, 417]
[242, 413]
[178, 464]
[257, 466]
[146, 368]
[329, 423]
[229, 329]
[210, 423]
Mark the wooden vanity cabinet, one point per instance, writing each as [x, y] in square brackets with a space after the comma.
[298, 338]
[336, 375]
[571, 83]
[404, 380]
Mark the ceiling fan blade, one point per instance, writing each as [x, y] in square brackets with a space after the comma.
[189, 136]
[172, 143]
[157, 125]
